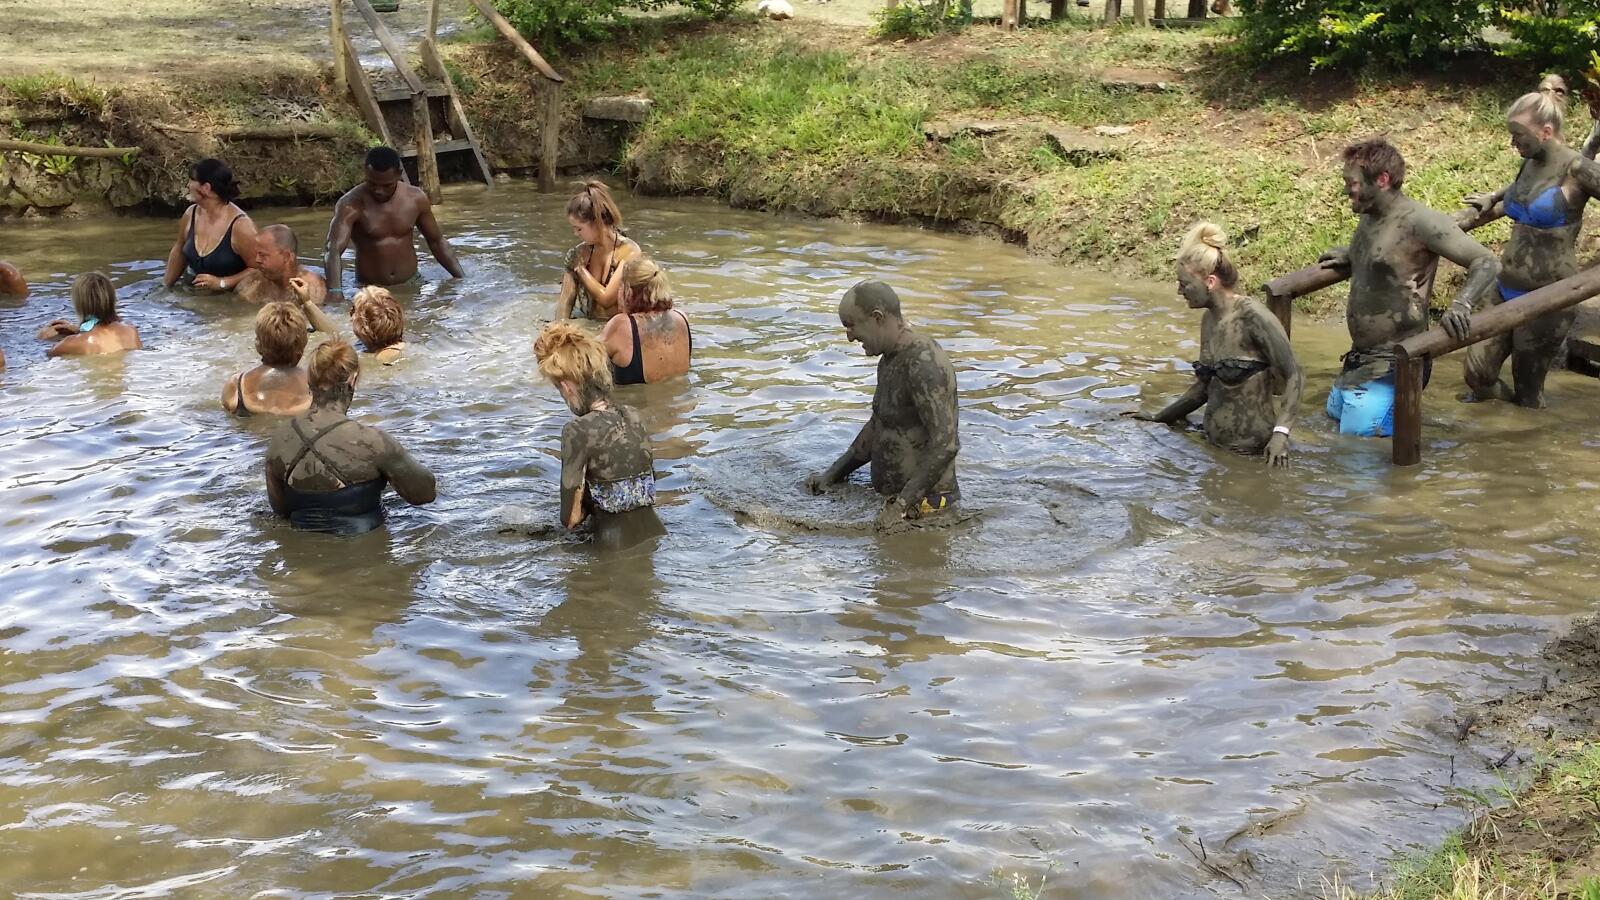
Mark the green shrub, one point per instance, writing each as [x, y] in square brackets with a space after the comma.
[917, 19]
[1348, 33]
[556, 22]
[1564, 44]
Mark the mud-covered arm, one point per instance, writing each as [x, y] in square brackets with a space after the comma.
[434, 235]
[410, 479]
[858, 454]
[933, 393]
[277, 480]
[1274, 345]
[607, 294]
[1441, 236]
[1591, 144]
[339, 232]
[1587, 173]
[1187, 402]
[575, 452]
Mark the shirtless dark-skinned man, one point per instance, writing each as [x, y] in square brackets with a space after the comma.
[379, 216]
[913, 438]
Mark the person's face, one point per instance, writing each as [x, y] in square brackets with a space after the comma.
[1526, 138]
[1363, 189]
[870, 330]
[569, 393]
[382, 185]
[273, 261]
[199, 190]
[1196, 291]
[587, 232]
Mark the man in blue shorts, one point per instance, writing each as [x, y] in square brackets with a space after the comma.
[1392, 260]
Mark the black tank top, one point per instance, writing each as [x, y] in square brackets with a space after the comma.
[221, 261]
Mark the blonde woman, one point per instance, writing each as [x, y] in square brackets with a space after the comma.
[607, 470]
[1545, 204]
[99, 328]
[325, 471]
[1246, 377]
[592, 285]
[279, 386]
[648, 341]
[375, 318]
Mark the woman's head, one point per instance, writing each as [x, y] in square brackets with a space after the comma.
[575, 363]
[1203, 265]
[333, 372]
[1534, 120]
[592, 212]
[376, 318]
[645, 287]
[93, 297]
[1555, 86]
[281, 334]
[213, 177]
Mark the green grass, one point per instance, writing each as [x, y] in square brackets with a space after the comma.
[51, 86]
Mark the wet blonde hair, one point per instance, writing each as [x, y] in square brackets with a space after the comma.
[93, 296]
[280, 334]
[376, 318]
[333, 364]
[1203, 252]
[568, 353]
[648, 288]
[1542, 107]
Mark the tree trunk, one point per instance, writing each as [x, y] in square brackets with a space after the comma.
[1197, 9]
[1113, 11]
[1058, 9]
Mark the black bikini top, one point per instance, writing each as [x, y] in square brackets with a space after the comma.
[1231, 372]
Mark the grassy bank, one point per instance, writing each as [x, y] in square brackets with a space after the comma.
[822, 119]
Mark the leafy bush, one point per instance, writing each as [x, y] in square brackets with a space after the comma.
[1333, 33]
[553, 22]
[1564, 44]
[917, 19]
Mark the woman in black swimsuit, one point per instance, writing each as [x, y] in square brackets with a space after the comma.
[216, 239]
[280, 385]
[648, 341]
[325, 471]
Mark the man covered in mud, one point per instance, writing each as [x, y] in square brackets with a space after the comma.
[912, 438]
[379, 216]
[277, 268]
[1392, 260]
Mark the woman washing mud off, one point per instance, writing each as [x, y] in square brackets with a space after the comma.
[1247, 377]
[325, 471]
[649, 341]
[375, 318]
[1545, 204]
[279, 386]
[99, 329]
[607, 469]
[592, 286]
[216, 239]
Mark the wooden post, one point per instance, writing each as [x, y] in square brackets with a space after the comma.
[427, 162]
[341, 81]
[1197, 9]
[1406, 449]
[1282, 306]
[1140, 17]
[433, 20]
[1113, 11]
[550, 136]
[1010, 14]
[509, 32]
[1161, 9]
[1058, 10]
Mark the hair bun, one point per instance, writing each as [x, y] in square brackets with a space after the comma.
[1212, 235]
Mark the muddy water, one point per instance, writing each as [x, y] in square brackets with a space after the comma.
[1139, 642]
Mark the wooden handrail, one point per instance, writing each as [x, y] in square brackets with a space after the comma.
[510, 33]
[390, 45]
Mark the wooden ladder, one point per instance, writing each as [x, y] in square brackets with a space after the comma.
[409, 116]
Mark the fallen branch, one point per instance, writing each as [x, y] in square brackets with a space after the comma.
[307, 131]
[54, 150]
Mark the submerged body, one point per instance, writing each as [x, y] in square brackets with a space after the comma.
[1246, 378]
[326, 472]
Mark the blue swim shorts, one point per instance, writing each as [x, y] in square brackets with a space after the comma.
[1365, 409]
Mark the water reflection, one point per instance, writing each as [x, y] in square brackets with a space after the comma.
[1137, 637]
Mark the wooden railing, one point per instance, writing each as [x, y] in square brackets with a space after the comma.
[347, 66]
[550, 132]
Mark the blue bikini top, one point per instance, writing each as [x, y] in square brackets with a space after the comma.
[1548, 210]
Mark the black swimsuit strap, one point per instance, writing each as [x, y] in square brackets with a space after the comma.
[242, 411]
[308, 445]
[687, 330]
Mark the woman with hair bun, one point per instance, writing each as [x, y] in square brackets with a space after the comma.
[592, 285]
[1545, 203]
[607, 470]
[325, 471]
[1246, 377]
[648, 341]
[216, 239]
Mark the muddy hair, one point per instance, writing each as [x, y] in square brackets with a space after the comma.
[1375, 157]
[333, 364]
[648, 288]
[93, 296]
[1555, 86]
[568, 353]
[215, 172]
[1540, 107]
[1204, 252]
[595, 204]
[281, 334]
[376, 318]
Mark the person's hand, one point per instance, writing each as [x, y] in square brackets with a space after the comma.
[1277, 450]
[1457, 323]
[1479, 200]
[209, 283]
[816, 482]
[1335, 258]
[301, 289]
[1138, 416]
[57, 330]
[891, 515]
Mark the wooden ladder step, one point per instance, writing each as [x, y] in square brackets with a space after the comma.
[440, 147]
[394, 94]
